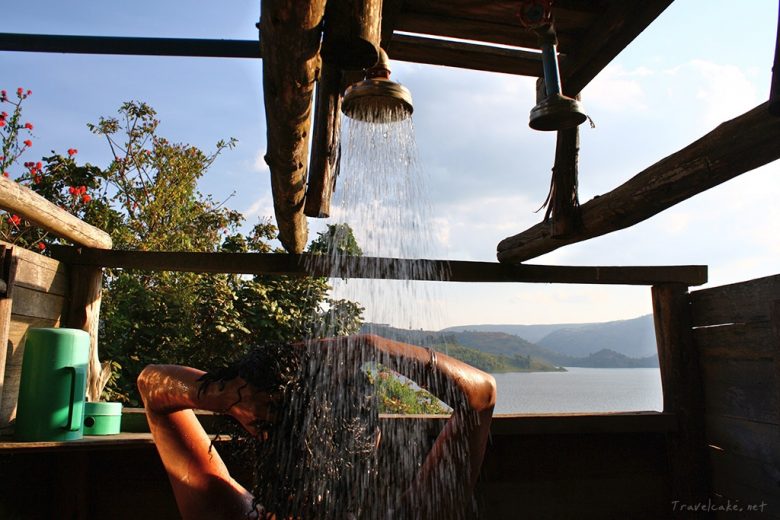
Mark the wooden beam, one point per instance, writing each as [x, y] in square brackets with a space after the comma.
[733, 148]
[291, 33]
[352, 33]
[24, 202]
[683, 393]
[606, 38]
[326, 143]
[563, 204]
[774, 94]
[9, 265]
[133, 46]
[377, 268]
[82, 311]
[391, 10]
[465, 55]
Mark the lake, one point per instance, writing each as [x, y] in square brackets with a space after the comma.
[580, 390]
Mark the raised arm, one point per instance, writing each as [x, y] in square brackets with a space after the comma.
[201, 483]
[460, 447]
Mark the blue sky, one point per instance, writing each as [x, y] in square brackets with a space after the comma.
[487, 171]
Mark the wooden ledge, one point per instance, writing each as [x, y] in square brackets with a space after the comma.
[503, 424]
[546, 424]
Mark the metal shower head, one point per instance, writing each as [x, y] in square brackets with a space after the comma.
[377, 99]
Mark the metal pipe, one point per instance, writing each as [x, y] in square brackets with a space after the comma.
[552, 75]
[130, 45]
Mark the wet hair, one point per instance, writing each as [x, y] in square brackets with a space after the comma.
[318, 459]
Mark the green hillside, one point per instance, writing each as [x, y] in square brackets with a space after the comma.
[495, 358]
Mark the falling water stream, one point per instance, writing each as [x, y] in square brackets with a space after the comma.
[382, 195]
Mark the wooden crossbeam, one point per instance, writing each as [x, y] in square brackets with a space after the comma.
[464, 55]
[378, 268]
[734, 147]
[134, 46]
[606, 38]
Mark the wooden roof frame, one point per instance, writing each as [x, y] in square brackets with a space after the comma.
[479, 35]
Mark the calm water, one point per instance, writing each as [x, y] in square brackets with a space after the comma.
[580, 390]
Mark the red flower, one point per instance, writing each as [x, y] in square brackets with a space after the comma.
[28, 126]
[29, 92]
[73, 191]
[19, 91]
[3, 94]
[5, 174]
[82, 190]
[3, 115]
[2, 123]
[27, 142]
[72, 151]
[38, 165]
[14, 219]
[37, 179]
[85, 198]
[41, 246]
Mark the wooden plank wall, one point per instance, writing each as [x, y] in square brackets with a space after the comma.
[737, 333]
[37, 299]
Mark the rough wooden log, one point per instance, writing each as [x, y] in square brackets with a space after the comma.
[465, 55]
[378, 268]
[290, 37]
[9, 264]
[391, 11]
[326, 143]
[681, 380]
[606, 38]
[21, 201]
[352, 32]
[563, 204]
[733, 148]
[774, 94]
[82, 311]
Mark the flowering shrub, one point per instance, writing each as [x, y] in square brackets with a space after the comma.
[147, 199]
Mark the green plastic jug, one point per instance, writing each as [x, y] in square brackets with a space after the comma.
[52, 386]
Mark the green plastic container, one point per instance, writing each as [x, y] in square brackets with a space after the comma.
[52, 386]
[102, 418]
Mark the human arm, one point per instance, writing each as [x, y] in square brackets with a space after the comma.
[201, 482]
[460, 447]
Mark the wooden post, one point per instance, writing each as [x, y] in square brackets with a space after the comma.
[290, 38]
[326, 143]
[563, 203]
[352, 33]
[9, 264]
[774, 94]
[82, 311]
[683, 396]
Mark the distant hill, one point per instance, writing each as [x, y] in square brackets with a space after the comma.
[634, 338]
[489, 352]
[605, 358]
[532, 333]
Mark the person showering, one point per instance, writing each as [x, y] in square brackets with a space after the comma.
[311, 420]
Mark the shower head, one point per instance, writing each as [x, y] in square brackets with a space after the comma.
[377, 99]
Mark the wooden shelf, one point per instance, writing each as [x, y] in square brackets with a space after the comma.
[90, 442]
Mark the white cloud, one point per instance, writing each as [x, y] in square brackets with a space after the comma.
[261, 207]
[616, 89]
[725, 91]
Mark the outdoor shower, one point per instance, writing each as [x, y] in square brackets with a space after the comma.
[377, 98]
